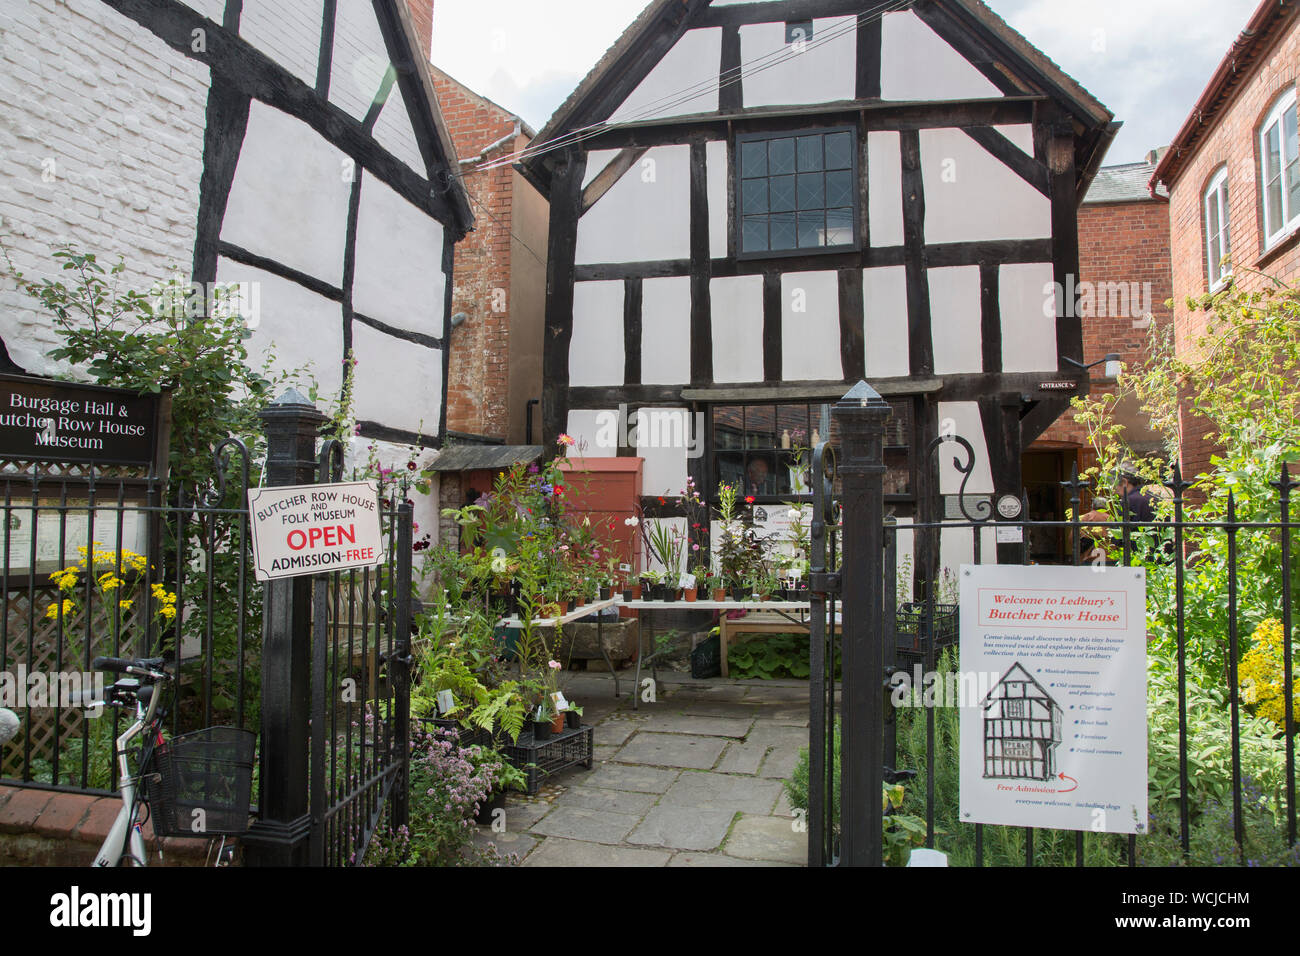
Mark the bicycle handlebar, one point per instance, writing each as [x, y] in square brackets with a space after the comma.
[139, 667]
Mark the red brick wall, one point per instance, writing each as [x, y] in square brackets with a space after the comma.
[1231, 141]
[422, 17]
[478, 372]
[1119, 242]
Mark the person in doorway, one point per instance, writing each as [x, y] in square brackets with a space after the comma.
[1138, 503]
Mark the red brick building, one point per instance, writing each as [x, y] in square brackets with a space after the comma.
[1125, 281]
[500, 274]
[1233, 176]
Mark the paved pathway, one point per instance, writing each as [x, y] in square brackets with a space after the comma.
[692, 779]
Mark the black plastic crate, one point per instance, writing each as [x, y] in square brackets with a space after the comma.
[911, 638]
[201, 784]
[540, 759]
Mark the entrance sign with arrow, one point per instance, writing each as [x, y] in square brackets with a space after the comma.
[1060, 741]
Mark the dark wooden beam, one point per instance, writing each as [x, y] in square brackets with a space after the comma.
[325, 58]
[1065, 235]
[772, 309]
[448, 271]
[869, 40]
[731, 83]
[791, 10]
[632, 329]
[701, 343]
[990, 317]
[920, 343]
[972, 47]
[1012, 156]
[239, 254]
[853, 353]
[223, 138]
[611, 396]
[558, 334]
[608, 176]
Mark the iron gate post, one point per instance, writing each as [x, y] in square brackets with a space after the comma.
[281, 834]
[860, 417]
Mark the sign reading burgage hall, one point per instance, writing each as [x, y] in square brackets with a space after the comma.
[44, 420]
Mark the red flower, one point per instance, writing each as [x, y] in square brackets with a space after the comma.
[662, 501]
[749, 499]
[559, 490]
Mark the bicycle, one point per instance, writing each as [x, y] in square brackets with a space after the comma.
[195, 785]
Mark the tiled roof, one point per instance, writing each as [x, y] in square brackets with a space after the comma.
[1124, 183]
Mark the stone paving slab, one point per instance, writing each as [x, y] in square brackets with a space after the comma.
[780, 763]
[558, 852]
[579, 823]
[683, 828]
[615, 732]
[767, 838]
[509, 842]
[613, 776]
[742, 758]
[672, 750]
[778, 735]
[620, 801]
[522, 812]
[702, 726]
[771, 694]
[723, 708]
[717, 791]
[689, 858]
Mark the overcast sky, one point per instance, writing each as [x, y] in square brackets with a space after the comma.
[1147, 60]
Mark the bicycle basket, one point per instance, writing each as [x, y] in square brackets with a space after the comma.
[201, 784]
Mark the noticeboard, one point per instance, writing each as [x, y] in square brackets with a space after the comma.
[45, 420]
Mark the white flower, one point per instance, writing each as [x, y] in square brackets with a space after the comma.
[631, 522]
[795, 514]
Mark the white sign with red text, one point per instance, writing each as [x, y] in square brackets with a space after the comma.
[1055, 735]
[310, 529]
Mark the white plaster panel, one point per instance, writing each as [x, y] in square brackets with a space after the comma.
[360, 58]
[685, 81]
[884, 304]
[963, 419]
[917, 64]
[101, 145]
[214, 10]
[955, 320]
[956, 548]
[1022, 134]
[288, 31]
[666, 331]
[595, 431]
[394, 132]
[398, 277]
[737, 318]
[397, 383]
[597, 160]
[661, 439]
[810, 327]
[970, 195]
[1026, 296]
[824, 72]
[645, 216]
[715, 157]
[289, 200]
[885, 189]
[596, 351]
[295, 327]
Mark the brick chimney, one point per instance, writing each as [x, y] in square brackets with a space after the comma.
[422, 17]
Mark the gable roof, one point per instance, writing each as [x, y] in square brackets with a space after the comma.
[1270, 19]
[662, 22]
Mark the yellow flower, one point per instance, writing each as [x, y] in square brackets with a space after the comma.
[1261, 675]
[125, 604]
[167, 611]
[109, 581]
[53, 610]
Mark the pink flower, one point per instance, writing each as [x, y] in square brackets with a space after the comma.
[554, 665]
[565, 439]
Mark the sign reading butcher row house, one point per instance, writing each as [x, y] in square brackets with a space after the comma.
[44, 420]
[307, 529]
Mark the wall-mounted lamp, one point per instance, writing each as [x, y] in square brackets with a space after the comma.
[1111, 361]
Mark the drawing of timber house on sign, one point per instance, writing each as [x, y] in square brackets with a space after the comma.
[755, 205]
[1022, 728]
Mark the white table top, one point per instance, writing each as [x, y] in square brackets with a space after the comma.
[715, 605]
[574, 615]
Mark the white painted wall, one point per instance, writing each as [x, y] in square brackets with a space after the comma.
[737, 319]
[1028, 334]
[971, 195]
[597, 160]
[885, 189]
[955, 320]
[214, 10]
[596, 349]
[101, 145]
[645, 216]
[296, 326]
[591, 431]
[666, 331]
[288, 31]
[917, 64]
[398, 277]
[1022, 134]
[398, 383]
[810, 327]
[360, 58]
[716, 165]
[963, 419]
[778, 75]
[289, 199]
[393, 131]
[664, 454]
[885, 330]
[685, 81]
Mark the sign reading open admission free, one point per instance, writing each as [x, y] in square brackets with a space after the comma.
[308, 529]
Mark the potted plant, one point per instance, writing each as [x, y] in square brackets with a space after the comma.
[690, 587]
[504, 775]
[542, 720]
[573, 717]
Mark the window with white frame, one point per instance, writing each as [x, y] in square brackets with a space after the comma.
[1218, 246]
[1279, 152]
